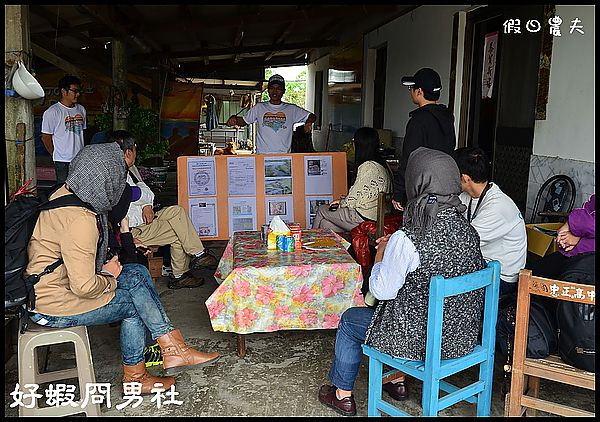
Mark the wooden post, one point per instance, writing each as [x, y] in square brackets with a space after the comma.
[20, 155]
[241, 343]
[119, 71]
[20, 161]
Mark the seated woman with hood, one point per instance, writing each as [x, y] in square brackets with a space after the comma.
[435, 240]
[87, 289]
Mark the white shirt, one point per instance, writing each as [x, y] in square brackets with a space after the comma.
[501, 231]
[275, 125]
[66, 125]
[135, 208]
[399, 259]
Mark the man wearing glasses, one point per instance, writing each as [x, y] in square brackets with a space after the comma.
[62, 126]
[431, 125]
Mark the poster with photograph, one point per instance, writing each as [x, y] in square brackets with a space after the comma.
[312, 204]
[242, 214]
[278, 186]
[282, 206]
[318, 178]
[278, 176]
[241, 174]
[202, 176]
[203, 213]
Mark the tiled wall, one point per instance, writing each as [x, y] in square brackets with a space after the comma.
[541, 168]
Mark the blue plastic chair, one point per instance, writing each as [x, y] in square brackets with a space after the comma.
[433, 370]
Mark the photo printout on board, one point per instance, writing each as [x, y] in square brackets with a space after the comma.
[318, 178]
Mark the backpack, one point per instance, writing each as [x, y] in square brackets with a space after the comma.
[20, 218]
[541, 335]
[576, 321]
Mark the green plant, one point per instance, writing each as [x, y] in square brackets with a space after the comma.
[104, 121]
[158, 148]
[143, 124]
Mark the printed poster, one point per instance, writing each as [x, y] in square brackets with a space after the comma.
[312, 204]
[242, 214]
[203, 213]
[241, 174]
[318, 178]
[278, 176]
[202, 176]
[283, 206]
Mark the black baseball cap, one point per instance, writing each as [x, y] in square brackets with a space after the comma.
[426, 78]
[277, 79]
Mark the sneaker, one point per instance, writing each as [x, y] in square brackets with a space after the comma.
[152, 355]
[166, 271]
[186, 280]
[206, 260]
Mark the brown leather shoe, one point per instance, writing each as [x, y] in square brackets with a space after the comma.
[205, 261]
[345, 406]
[138, 373]
[185, 281]
[397, 391]
[178, 356]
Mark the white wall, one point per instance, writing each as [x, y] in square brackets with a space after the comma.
[319, 136]
[568, 131]
[422, 38]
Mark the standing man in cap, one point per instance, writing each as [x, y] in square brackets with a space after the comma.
[275, 120]
[431, 125]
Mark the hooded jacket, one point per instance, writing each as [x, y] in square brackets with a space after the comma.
[430, 126]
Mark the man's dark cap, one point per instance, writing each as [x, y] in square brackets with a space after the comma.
[277, 79]
[426, 78]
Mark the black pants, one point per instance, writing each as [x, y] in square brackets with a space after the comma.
[550, 266]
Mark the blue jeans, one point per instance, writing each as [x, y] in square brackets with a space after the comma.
[136, 304]
[350, 336]
[62, 171]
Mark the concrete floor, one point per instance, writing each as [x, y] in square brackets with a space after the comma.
[280, 375]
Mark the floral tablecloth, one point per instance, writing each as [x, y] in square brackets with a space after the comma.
[263, 290]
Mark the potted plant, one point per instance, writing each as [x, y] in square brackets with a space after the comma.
[143, 124]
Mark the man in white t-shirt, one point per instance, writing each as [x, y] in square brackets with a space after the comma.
[494, 215]
[275, 120]
[62, 126]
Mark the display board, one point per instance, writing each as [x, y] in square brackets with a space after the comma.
[227, 193]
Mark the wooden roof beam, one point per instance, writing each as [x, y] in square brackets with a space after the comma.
[60, 25]
[253, 49]
[107, 15]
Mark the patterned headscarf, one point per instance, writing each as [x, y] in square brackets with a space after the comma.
[97, 175]
[432, 185]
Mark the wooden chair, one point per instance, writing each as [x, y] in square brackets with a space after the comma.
[433, 370]
[524, 393]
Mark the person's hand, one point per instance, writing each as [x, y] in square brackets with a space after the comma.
[147, 214]
[397, 205]
[307, 127]
[382, 241]
[138, 242]
[125, 225]
[567, 240]
[232, 121]
[337, 201]
[113, 266]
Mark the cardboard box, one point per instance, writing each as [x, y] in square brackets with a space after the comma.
[540, 243]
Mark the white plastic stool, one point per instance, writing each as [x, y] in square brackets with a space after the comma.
[29, 373]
